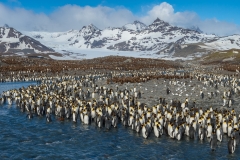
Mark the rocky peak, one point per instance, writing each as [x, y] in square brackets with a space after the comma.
[89, 28]
[6, 26]
[135, 26]
[159, 26]
[196, 28]
[160, 22]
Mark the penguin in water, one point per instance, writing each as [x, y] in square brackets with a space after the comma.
[137, 126]
[178, 133]
[29, 115]
[124, 119]
[213, 141]
[48, 117]
[99, 121]
[231, 145]
[74, 117]
[9, 99]
[114, 121]
[67, 112]
[107, 122]
[1, 101]
[201, 133]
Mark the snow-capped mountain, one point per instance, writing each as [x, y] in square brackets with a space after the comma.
[12, 41]
[158, 38]
[135, 26]
[195, 28]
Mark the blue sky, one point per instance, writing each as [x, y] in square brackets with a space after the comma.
[207, 14]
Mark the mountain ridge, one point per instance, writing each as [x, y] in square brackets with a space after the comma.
[158, 38]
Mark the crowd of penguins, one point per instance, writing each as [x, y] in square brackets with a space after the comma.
[80, 100]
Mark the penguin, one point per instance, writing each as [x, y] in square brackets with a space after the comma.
[137, 126]
[219, 134]
[156, 130]
[99, 121]
[29, 115]
[93, 113]
[1, 101]
[187, 130]
[178, 134]
[124, 120]
[145, 133]
[170, 130]
[74, 117]
[191, 132]
[201, 133]
[130, 120]
[213, 141]
[224, 127]
[229, 130]
[67, 112]
[237, 136]
[38, 111]
[48, 117]
[209, 130]
[9, 99]
[133, 123]
[107, 122]
[114, 121]
[86, 119]
[231, 145]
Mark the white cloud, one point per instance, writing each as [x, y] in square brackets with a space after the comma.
[74, 17]
[166, 12]
[65, 18]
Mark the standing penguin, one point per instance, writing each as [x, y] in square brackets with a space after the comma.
[114, 121]
[145, 131]
[137, 125]
[99, 121]
[86, 119]
[231, 145]
[191, 132]
[156, 130]
[213, 141]
[74, 117]
[108, 122]
[209, 130]
[219, 134]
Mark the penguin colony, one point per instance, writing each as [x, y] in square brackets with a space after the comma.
[81, 99]
[27, 69]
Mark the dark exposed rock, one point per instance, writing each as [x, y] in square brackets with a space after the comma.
[20, 39]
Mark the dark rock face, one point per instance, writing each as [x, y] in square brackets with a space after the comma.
[13, 41]
[98, 44]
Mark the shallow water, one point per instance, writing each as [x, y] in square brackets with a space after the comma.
[35, 139]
